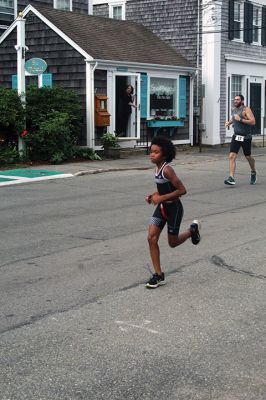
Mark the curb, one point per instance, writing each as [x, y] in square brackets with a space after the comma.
[102, 170]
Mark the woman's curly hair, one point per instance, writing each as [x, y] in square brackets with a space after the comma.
[168, 149]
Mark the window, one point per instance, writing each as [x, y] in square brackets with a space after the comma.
[163, 97]
[236, 87]
[63, 5]
[117, 10]
[256, 27]
[237, 20]
[7, 3]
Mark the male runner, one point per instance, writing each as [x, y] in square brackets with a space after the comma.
[242, 119]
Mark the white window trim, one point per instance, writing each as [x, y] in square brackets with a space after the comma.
[70, 5]
[98, 2]
[117, 4]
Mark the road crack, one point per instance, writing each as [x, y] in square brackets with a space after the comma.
[219, 262]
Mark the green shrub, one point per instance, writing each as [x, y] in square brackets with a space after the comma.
[53, 141]
[12, 115]
[42, 102]
[109, 140]
[8, 155]
[53, 119]
[85, 153]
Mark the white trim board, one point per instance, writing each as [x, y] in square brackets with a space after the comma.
[242, 59]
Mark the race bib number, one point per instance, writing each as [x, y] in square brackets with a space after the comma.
[240, 138]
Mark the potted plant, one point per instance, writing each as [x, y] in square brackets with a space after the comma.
[110, 145]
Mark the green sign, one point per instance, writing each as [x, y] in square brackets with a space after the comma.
[35, 66]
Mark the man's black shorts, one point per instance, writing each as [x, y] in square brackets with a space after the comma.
[235, 146]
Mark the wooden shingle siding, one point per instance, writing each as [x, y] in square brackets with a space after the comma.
[101, 10]
[79, 6]
[24, 3]
[8, 60]
[173, 21]
[100, 81]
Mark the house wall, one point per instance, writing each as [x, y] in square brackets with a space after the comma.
[65, 63]
[245, 52]
[80, 6]
[101, 10]
[175, 22]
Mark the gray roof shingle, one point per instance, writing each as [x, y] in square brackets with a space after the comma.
[109, 39]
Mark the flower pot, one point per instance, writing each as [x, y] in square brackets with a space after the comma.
[112, 152]
[127, 142]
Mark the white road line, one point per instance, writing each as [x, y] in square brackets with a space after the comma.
[127, 325]
[18, 179]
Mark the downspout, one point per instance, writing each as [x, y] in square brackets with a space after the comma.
[191, 108]
[197, 58]
[198, 133]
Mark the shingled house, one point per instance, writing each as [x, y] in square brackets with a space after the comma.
[86, 53]
[224, 39]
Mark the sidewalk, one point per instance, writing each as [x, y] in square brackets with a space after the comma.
[142, 161]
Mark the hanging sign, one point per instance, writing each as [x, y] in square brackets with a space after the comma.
[35, 66]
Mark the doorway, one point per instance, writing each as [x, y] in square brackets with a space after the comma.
[127, 126]
[255, 105]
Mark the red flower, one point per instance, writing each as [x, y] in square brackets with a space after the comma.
[23, 134]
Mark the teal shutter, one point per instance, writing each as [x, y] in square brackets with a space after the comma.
[14, 82]
[143, 95]
[47, 80]
[182, 97]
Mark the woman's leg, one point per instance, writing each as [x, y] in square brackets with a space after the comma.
[153, 238]
[174, 240]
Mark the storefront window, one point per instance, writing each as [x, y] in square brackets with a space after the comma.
[162, 97]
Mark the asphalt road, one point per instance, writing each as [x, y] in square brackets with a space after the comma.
[76, 321]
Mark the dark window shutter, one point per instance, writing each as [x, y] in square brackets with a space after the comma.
[231, 20]
[248, 22]
[263, 27]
